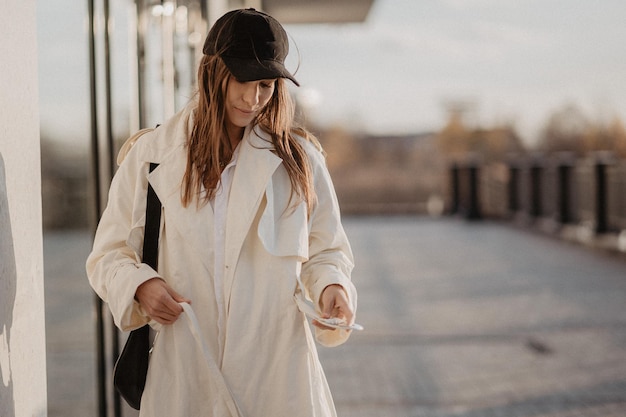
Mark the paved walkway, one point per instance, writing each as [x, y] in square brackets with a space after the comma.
[462, 319]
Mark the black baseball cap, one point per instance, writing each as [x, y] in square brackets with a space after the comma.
[252, 44]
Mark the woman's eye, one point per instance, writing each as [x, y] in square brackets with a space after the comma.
[267, 85]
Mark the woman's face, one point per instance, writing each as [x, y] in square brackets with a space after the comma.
[245, 100]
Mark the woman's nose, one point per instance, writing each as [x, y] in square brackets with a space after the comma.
[251, 94]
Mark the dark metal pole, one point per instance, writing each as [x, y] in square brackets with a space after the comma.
[535, 189]
[564, 181]
[114, 335]
[141, 53]
[95, 164]
[455, 188]
[602, 225]
[513, 189]
[473, 212]
[107, 84]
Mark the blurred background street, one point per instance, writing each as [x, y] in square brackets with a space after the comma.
[461, 319]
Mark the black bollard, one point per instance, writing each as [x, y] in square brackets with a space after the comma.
[473, 209]
[601, 194]
[564, 189]
[455, 188]
[513, 189]
[535, 172]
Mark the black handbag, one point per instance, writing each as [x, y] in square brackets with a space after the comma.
[131, 367]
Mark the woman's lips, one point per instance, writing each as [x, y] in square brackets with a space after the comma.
[245, 111]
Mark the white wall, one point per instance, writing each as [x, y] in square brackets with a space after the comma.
[22, 326]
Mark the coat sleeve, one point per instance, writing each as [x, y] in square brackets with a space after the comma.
[114, 267]
[330, 256]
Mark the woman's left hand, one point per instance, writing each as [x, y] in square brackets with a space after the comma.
[335, 304]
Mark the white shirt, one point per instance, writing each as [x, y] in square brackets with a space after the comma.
[220, 208]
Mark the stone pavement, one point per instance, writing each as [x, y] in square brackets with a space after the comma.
[461, 319]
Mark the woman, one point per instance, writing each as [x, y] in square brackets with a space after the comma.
[249, 211]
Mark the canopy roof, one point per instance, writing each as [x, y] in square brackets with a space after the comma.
[318, 11]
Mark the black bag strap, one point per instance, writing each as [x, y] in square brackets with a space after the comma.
[131, 368]
[153, 224]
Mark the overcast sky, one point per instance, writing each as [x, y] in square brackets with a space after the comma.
[513, 60]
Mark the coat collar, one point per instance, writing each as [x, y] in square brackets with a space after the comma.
[255, 167]
[253, 173]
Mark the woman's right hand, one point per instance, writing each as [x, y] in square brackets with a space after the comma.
[160, 301]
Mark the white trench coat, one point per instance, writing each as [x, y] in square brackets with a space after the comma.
[265, 350]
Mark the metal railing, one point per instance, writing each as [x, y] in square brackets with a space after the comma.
[560, 189]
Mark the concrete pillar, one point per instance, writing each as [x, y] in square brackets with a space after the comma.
[22, 326]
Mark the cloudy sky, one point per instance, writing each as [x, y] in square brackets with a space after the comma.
[514, 60]
[511, 60]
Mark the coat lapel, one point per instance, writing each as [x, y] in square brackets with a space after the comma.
[255, 167]
[254, 170]
[194, 223]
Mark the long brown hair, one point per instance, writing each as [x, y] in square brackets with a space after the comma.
[209, 149]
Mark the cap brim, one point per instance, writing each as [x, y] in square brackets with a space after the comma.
[249, 70]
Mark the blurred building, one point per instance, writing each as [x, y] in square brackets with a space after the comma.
[384, 173]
